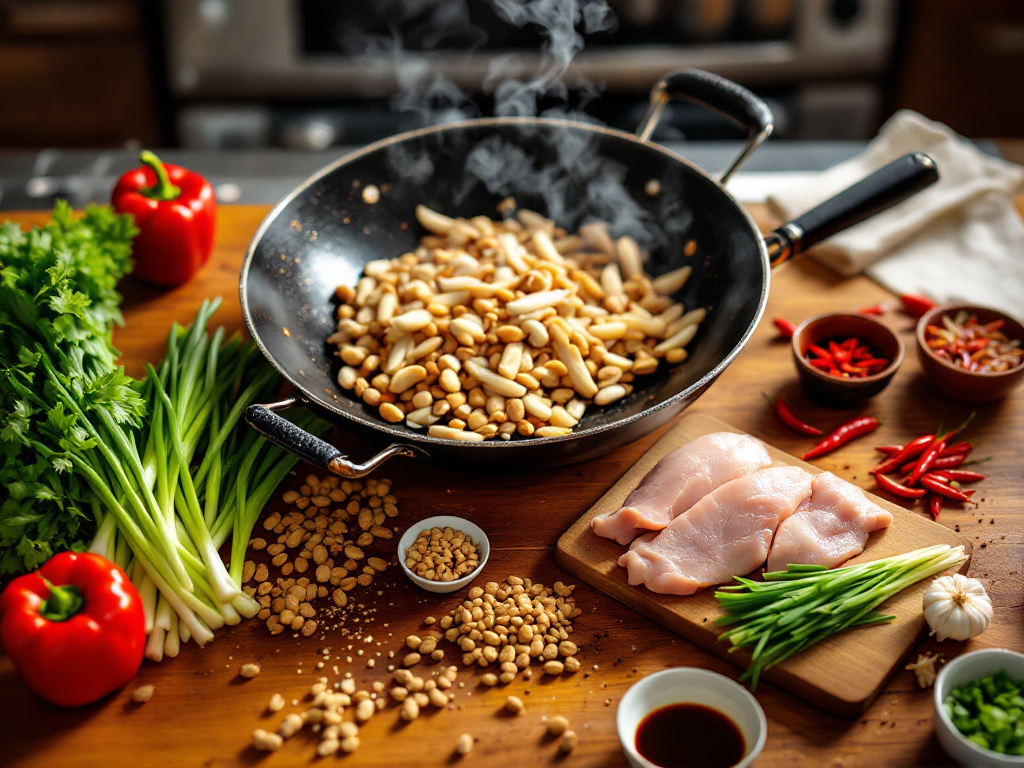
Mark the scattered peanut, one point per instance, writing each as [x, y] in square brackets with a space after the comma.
[464, 745]
[249, 670]
[142, 694]
[557, 725]
[514, 704]
[265, 741]
[568, 742]
[410, 710]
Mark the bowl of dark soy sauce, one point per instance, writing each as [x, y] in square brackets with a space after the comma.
[687, 717]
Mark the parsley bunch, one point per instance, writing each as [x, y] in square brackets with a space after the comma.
[60, 390]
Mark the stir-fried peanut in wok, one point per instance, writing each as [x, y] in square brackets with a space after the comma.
[494, 328]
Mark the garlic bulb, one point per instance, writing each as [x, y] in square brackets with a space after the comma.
[957, 607]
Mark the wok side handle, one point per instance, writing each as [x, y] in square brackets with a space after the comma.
[312, 449]
[883, 189]
[719, 95]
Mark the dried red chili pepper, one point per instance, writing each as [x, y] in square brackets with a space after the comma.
[933, 451]
[845, 358]
[786, 327]
[889, 450]
[790, 419]
[876, 310]
[897, 489]
[842, 435]
[943, 462]
[926, 459]
[941, 488]
[821, 352]
[964, 446]
[916, 306]
[960, 475]
[909, 451]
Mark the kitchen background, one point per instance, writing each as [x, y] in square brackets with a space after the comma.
[260, 93]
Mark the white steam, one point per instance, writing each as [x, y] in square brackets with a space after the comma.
[562, 24]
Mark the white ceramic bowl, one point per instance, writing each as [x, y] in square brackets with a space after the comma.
[964, 669]
[444, 521]
[690, 685]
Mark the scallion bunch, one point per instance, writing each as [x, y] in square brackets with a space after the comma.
[203, 476]
[791, 610]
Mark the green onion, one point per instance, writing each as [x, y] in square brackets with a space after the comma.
[989, 712]
[791, 610]
[201, 478]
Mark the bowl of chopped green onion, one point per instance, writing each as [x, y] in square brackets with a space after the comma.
[979, 709]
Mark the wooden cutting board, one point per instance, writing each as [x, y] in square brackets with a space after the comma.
[842, 675]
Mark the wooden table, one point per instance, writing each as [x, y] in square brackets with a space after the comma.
[202, 714]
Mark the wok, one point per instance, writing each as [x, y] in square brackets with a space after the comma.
[324, 232]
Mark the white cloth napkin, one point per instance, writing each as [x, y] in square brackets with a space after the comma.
[961, 239]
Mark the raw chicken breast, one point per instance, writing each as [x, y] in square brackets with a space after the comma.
[725, 534]
[681, 479]
[829, 528]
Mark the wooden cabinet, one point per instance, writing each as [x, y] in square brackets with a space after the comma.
[75, 73]
[963, 64]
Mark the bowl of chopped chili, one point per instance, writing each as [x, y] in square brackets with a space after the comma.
[971, 354]
[845, 359]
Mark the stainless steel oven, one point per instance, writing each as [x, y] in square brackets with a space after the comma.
[319, 73]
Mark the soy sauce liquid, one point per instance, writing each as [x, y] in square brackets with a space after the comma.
[689, 736]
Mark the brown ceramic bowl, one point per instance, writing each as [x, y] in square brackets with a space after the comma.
[838, 391]
[959, 383]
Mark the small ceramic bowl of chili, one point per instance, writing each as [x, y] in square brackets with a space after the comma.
[845, 359]
[971, 354]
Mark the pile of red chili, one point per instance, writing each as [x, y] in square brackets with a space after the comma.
[845, 358]
[967, 343]
[929, 468]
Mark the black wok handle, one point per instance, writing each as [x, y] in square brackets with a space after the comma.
[719, 95]
[310, 448]
[889, 185]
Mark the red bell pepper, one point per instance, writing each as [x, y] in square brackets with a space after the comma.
[175, 211]
[75, 629]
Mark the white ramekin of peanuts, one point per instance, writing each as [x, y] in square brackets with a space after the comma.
[444, 553]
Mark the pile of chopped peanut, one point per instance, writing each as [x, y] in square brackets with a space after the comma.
[319, 549]
[501, 328]
[511, 624]
[442, 554]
